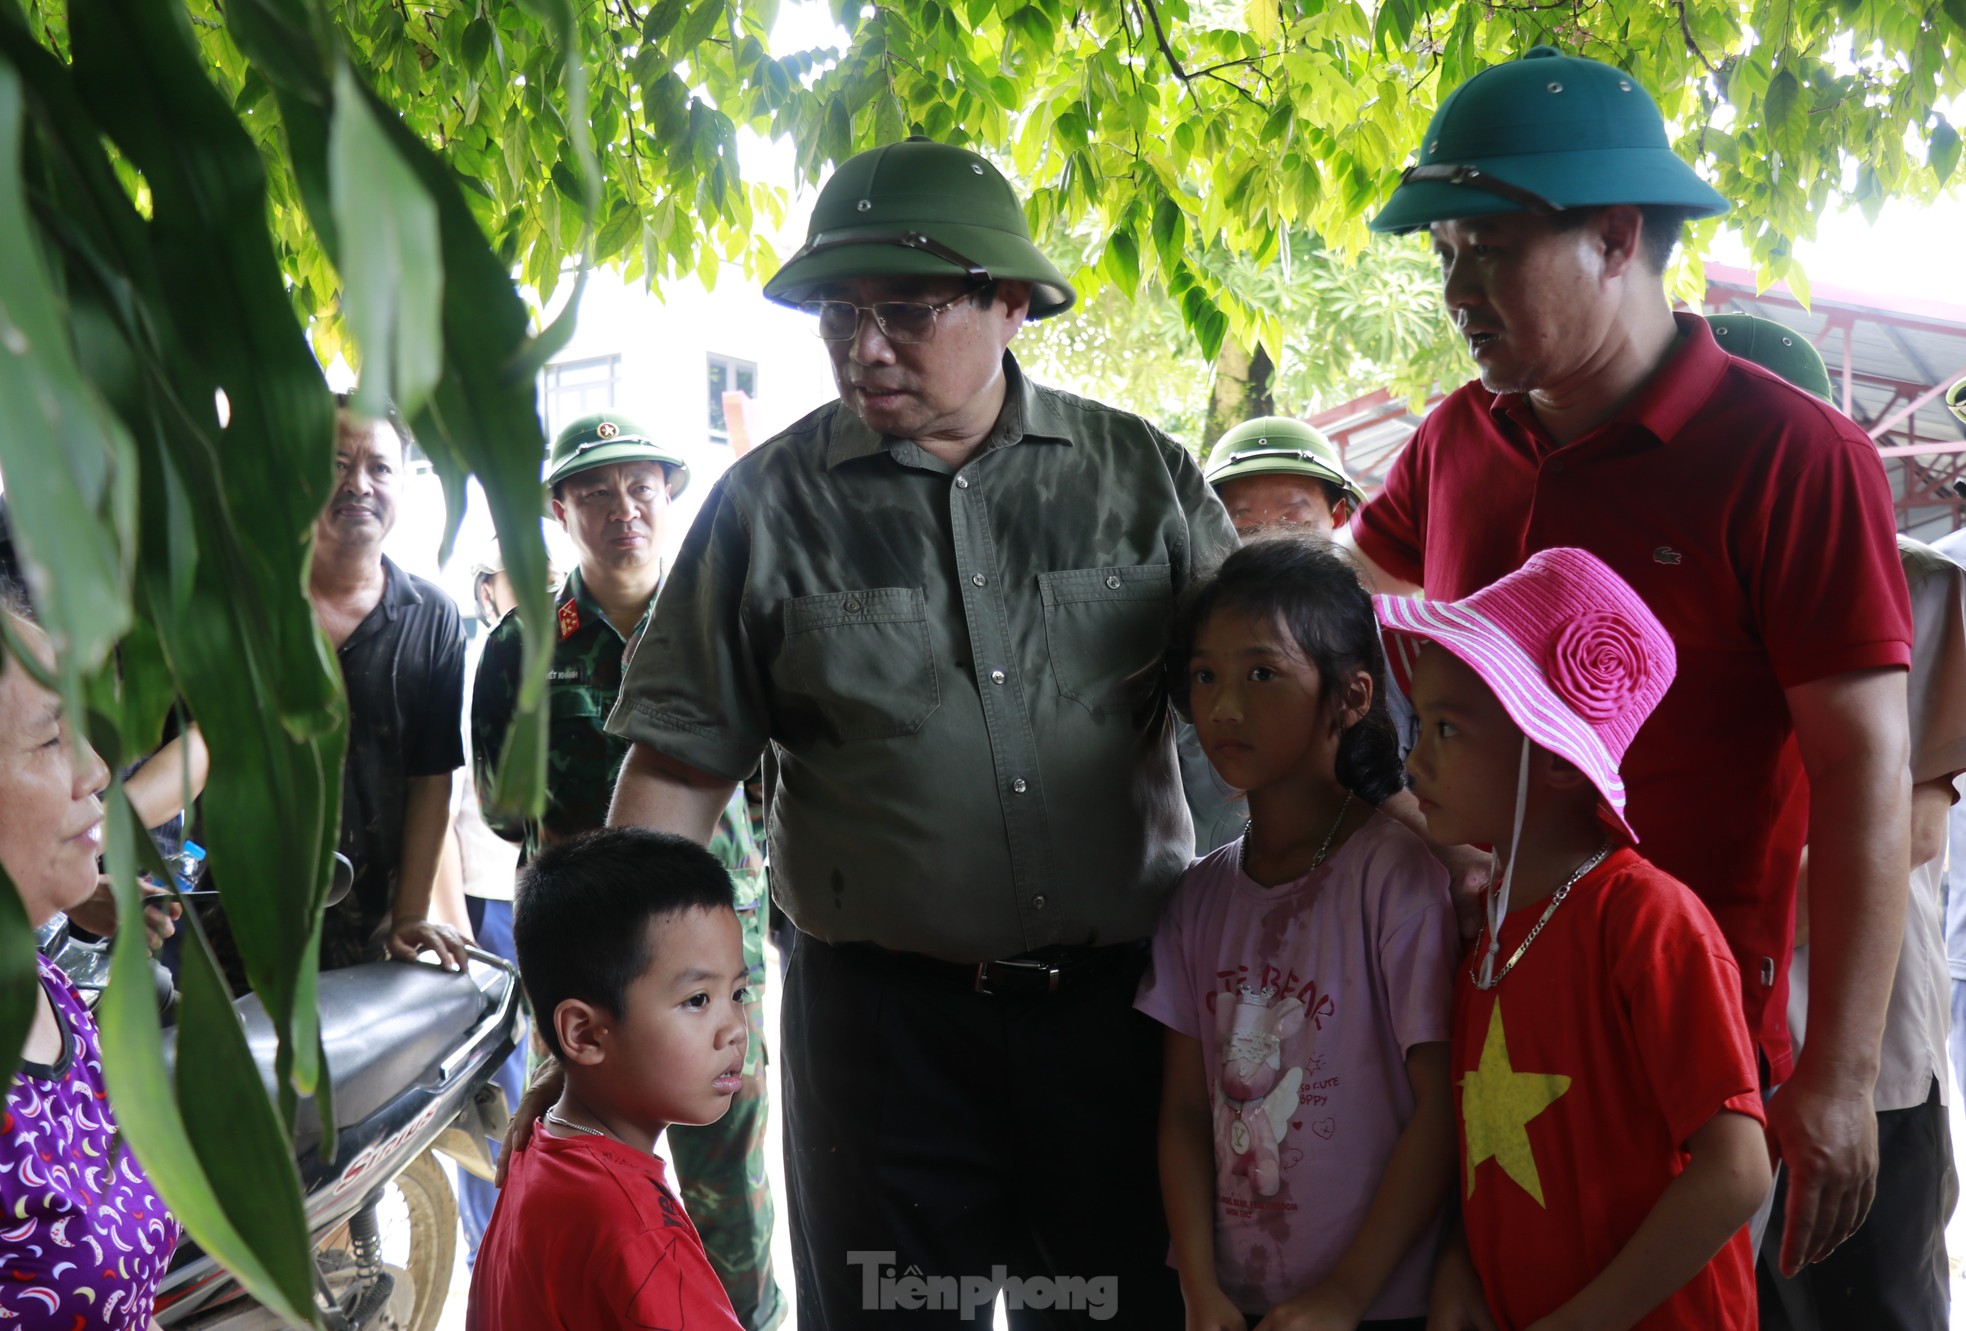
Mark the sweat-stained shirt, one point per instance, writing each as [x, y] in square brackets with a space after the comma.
[1306, 998]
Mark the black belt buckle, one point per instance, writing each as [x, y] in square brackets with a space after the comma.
[1024, 971]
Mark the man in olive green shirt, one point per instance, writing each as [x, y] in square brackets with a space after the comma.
[942, 601]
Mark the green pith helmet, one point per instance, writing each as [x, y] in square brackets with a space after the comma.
[1776, 348]
[1543, 133]
[1956, 399]
[919, 209]
[607, 437]
[1278, 445]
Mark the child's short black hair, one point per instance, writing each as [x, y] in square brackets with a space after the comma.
[1312, 588]
[581, 911]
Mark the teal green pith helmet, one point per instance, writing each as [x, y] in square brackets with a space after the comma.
[1273, 445]
[607, 437]
[1544, 133]
[1956, 399]
[1775, 347]
[919, 209]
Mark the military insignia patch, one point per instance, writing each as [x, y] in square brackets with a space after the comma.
[569, 619]
[607, 429]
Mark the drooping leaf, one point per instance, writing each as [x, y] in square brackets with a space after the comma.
[391, 273]
[72, 506]
[247, 1221]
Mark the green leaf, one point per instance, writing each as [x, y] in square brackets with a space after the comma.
[1122, 261]
[392, 274]
[72, 506]
[704, 20]
[1943, 155]
[256, 1231]
[1956, 11]
[20, 981]
[477, 43]
[662, 19]
[1168, 228]
[1779, 104]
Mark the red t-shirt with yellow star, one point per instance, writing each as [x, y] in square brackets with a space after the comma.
[1579, 1080]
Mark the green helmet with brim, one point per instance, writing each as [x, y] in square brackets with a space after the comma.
[1542, 134]
[1279, 446]
[605, 438]
[1776, 348]
[919, 209]
[1956, 399]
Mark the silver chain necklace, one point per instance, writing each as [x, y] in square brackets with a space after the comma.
[1556, 899]
[572, 1126]
[1242, 855]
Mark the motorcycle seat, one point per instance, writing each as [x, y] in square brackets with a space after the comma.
[385, 1027]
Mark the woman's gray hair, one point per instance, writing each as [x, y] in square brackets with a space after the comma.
[13, 599]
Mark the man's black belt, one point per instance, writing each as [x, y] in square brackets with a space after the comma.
[1046, 971]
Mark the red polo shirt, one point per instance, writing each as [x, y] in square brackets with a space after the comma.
[1758, 525]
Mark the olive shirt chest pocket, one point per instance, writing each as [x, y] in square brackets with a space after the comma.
[863, 659]
[1106, 629]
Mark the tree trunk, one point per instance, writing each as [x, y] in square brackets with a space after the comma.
[1244, 387]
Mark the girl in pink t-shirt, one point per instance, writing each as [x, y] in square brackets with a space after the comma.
[1303, 972]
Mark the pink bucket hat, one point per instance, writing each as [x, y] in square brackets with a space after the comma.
[1571, 652]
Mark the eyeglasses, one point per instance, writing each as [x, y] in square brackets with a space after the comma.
[900, 321]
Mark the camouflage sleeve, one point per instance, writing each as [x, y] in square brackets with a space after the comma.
[494, 698]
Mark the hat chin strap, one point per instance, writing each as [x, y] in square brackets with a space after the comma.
[1498, 900]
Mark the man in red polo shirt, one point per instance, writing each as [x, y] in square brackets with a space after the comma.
[1755, 521]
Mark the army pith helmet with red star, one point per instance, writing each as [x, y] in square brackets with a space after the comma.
[608, 437]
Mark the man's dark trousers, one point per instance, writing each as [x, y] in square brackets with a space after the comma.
[1890, 1275]
[937, 1132]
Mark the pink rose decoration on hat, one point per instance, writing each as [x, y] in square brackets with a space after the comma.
[1596, 663]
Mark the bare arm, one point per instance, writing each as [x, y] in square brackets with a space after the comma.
[654, 790]
[1187, 1184]
[1693, 1219]
[1931, 802]
[173, 777]
[1852, 733]
[447, 898]
[1408, 1198]
[1376, 578]
[426, 822]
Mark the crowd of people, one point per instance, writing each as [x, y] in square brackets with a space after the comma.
[1220, 900]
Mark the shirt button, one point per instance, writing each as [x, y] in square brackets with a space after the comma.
[962, 482]
[853, 607]
[977, 579]
[996, 676]
[1113, 581]
[1037, 903]
[1020, 785]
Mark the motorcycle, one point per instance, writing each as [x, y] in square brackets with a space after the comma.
[411, 1049]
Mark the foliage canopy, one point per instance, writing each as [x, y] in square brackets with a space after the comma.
[191, 189]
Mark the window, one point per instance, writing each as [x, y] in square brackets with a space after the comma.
[728, 375]
[575, 388]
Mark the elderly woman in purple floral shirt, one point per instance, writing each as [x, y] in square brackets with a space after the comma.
[84, 1239]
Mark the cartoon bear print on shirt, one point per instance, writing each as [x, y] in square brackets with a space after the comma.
[1254, 1096]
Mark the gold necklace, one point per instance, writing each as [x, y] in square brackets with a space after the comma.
[1556, 899]
[1242, 854]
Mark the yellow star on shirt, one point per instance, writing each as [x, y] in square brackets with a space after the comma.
[1497, 1104]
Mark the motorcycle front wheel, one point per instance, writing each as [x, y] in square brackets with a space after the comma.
[417, 1218]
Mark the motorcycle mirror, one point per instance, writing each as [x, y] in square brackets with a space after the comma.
[344, 878]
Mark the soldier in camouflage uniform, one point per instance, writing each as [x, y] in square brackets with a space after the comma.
[611, 488]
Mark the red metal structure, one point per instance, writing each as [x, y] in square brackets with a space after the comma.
[1890, 359]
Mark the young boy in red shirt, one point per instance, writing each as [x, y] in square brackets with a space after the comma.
[631, 954]
[1612, 1137]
